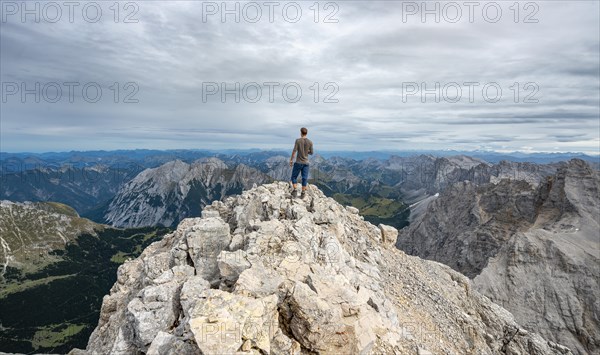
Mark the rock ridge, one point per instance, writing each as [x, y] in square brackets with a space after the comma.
[262, 273]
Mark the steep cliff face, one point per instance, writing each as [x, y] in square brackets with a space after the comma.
[534, 249]
[263, 273]
[175, 190]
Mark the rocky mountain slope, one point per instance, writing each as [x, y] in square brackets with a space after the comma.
[175, 190]
[532, 248]
[50, 257]
[262, 273]
[30, 231]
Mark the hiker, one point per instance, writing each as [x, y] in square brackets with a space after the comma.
[303, 146]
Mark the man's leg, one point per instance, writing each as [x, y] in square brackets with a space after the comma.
[304, 178]
[295, 172]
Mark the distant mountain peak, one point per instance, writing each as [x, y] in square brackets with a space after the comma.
[175, 190]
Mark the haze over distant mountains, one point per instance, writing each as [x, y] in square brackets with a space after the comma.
[152, 158]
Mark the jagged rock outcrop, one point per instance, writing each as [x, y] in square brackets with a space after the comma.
[176, 190]
[262, 273]
[533, 249]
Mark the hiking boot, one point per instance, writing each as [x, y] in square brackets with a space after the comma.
[303, 194]
[294, 193]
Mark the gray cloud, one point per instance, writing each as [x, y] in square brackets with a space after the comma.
[368, 54]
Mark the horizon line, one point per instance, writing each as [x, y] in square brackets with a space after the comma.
[527, 152]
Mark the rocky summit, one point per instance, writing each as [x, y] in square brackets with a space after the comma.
[263, 273]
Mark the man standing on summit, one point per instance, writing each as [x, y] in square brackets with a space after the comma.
[303, 147]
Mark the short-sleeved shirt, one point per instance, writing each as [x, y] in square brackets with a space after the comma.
[303, 147]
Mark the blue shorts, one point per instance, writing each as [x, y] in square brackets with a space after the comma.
[297, 169]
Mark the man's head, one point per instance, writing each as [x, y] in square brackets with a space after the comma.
[303, 131]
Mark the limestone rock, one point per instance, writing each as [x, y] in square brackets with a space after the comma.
[168, 344]
[231, 265]
[207, 213]
[223, 322]
[205, 241]
[156, 308]
[388, 234]
[351, 209]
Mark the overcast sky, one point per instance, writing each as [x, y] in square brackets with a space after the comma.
[369, 60]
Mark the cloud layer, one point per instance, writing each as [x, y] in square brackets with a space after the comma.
[379, 70]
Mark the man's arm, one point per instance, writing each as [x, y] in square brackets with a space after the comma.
[293, 153]
[310, 149]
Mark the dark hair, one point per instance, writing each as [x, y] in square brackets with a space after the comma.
[304, 131]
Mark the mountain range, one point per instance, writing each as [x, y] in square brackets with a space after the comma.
[150, 158]
[175, 190]
[137, 196]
